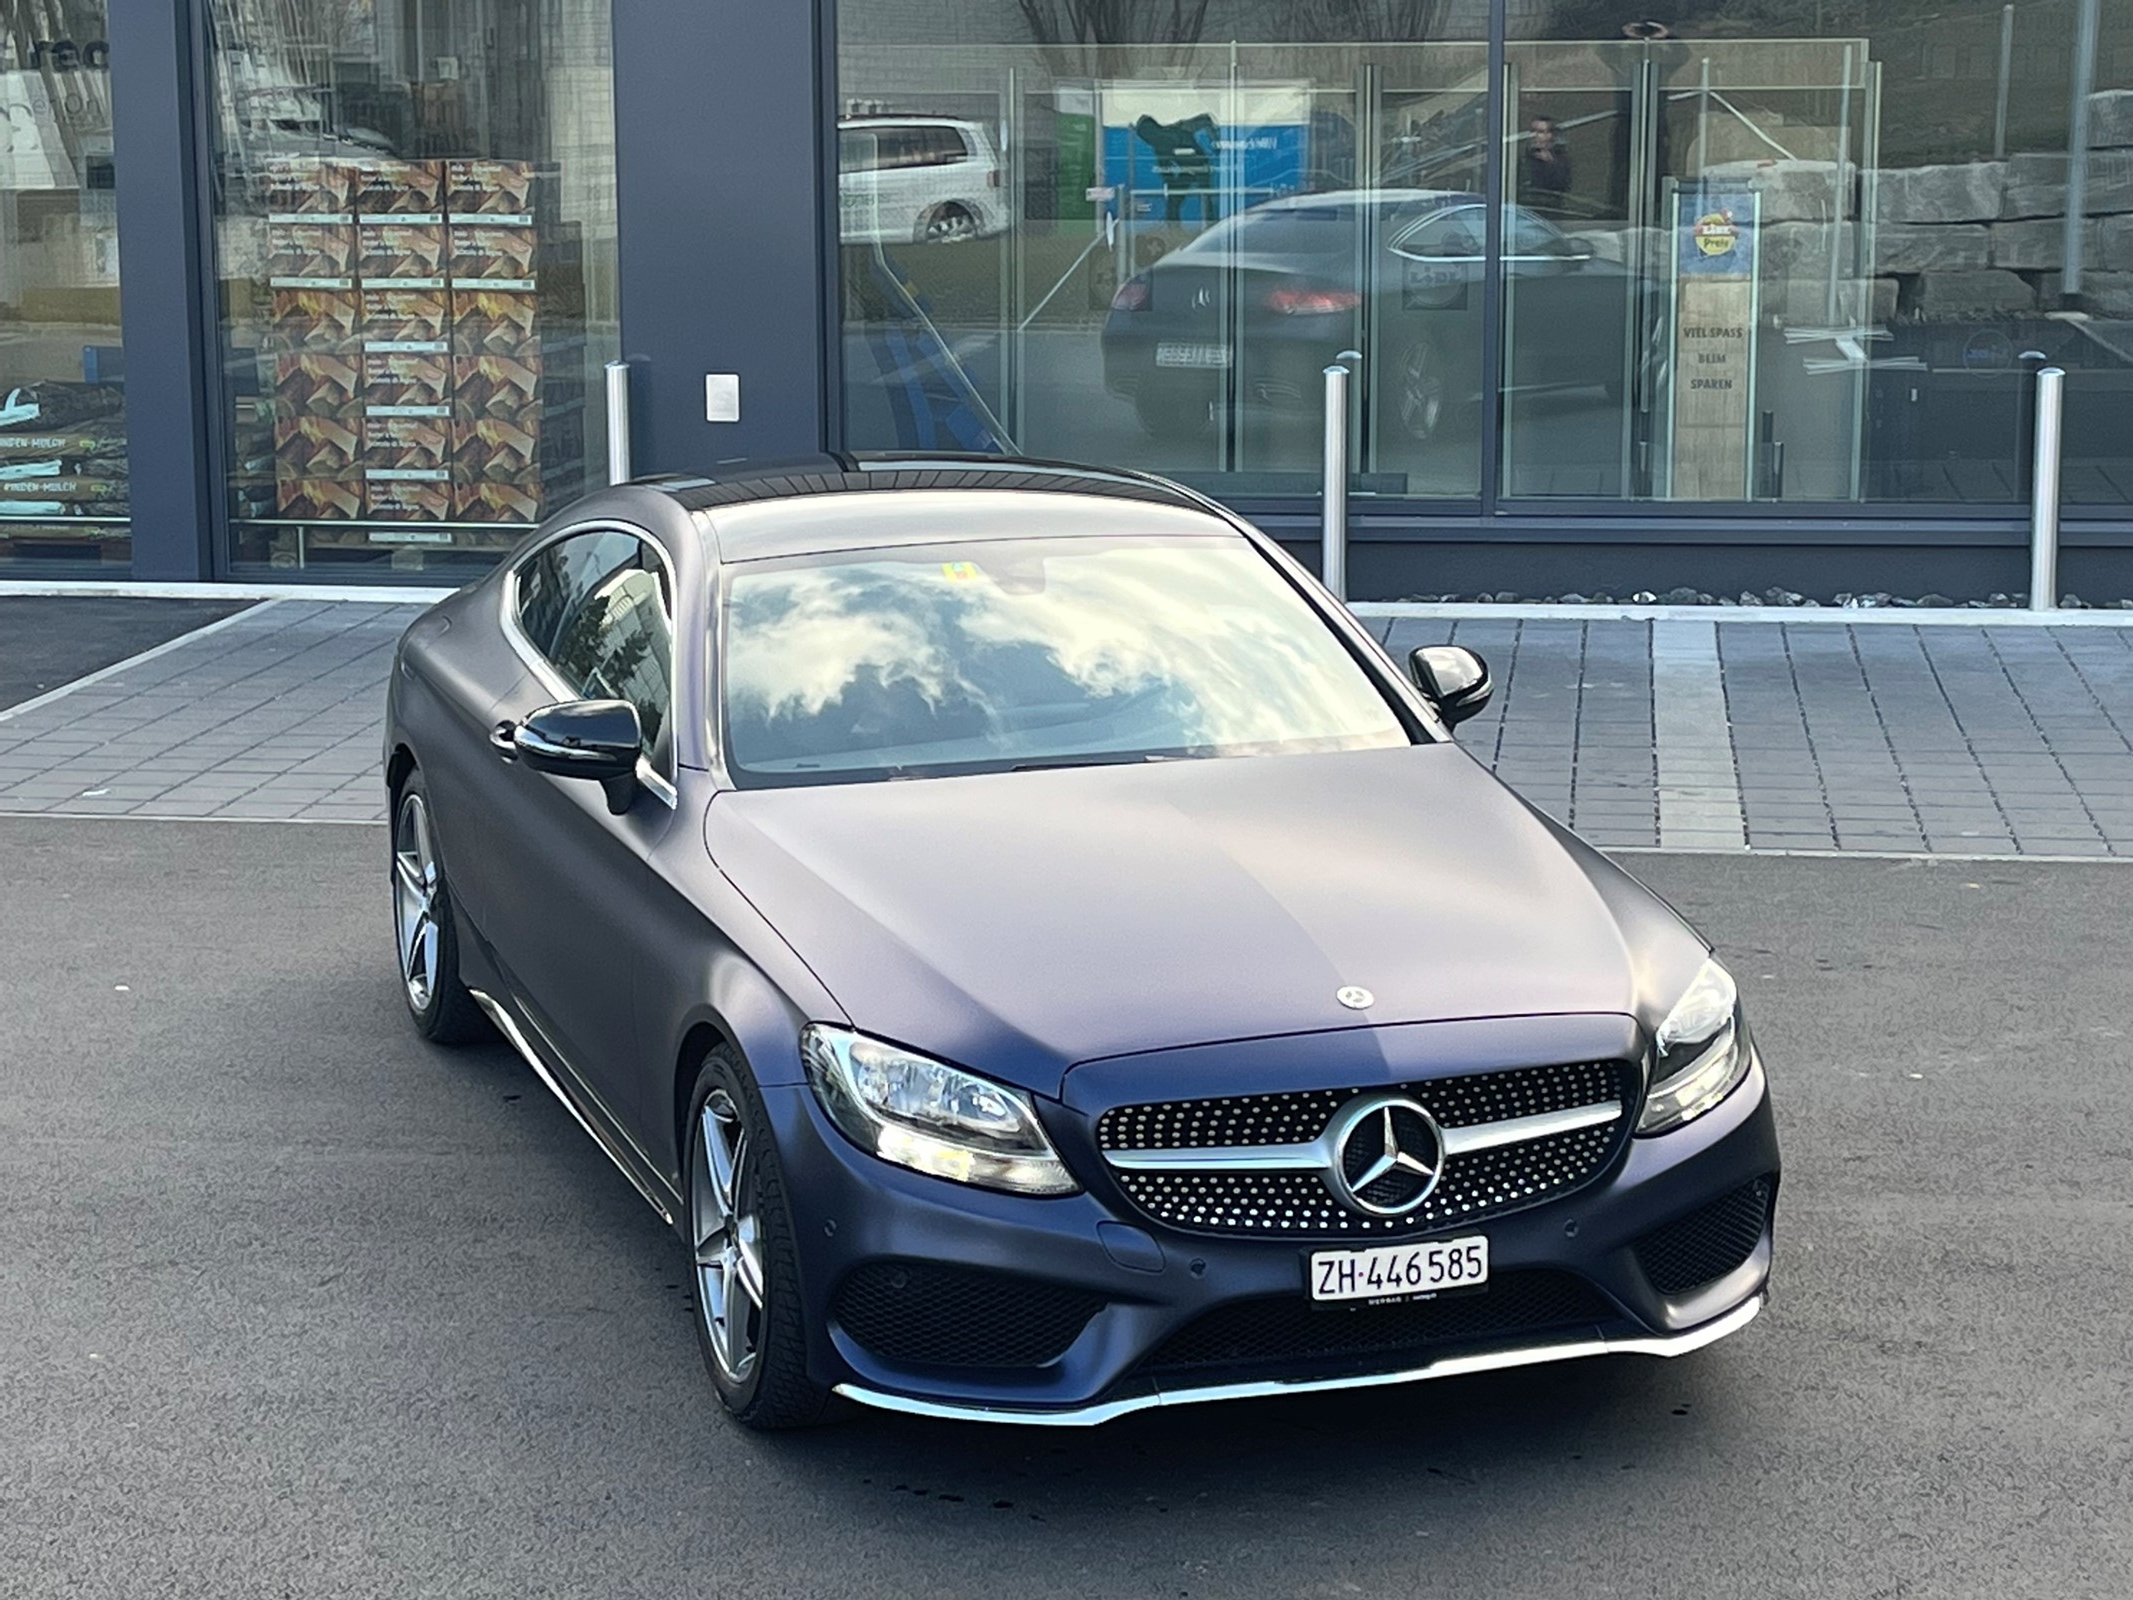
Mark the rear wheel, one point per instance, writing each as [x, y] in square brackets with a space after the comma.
[948, 224]
[750, 1325]
[426, 935]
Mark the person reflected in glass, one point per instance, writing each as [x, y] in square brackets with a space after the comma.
[1544, 166]
[1185, 165]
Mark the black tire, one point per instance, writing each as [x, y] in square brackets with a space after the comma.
[771, 1388]
[948, 223]
[1175, 413]
[425, 925]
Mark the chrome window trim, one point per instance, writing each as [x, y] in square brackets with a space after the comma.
[661, 784]
[1323, 1153]
[1670, 1344]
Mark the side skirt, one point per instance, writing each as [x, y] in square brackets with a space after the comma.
[657, 1192]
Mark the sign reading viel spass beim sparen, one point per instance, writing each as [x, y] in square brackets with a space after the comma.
[1713, 398]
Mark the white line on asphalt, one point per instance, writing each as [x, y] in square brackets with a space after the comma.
[1699, 791]
[383, 594]
[117, 667]
[1917, 617]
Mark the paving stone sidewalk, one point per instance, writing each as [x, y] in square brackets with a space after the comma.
[1689, 734]
[276, 715]
[1811, 736]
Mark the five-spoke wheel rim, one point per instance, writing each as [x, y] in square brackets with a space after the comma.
[729, 1241]
[415, 894]
[1421, 392]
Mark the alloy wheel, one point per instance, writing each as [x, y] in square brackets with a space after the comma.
[729, 1238]
[1421, 392]
[416, 887]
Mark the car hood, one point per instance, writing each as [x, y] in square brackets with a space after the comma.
[1020, 923]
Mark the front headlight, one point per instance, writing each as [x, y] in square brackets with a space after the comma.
[1702, 1052]
[929, 1116]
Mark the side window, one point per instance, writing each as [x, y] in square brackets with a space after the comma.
[899, 148]
[596, 606]
[1530, 236]
[944, 147]
[1454, 234]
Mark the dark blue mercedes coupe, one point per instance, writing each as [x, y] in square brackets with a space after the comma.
[1047, 961]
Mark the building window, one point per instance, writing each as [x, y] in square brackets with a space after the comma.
[1734, 253]
[63, 491]
[415, 233]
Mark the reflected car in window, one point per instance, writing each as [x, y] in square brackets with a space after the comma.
[1252, 310]
[1045, 960]
[918, 180]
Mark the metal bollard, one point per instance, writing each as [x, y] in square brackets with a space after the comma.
[1333, 533]
[618, 422]
[2044, 490]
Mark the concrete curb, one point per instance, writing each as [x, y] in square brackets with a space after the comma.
[1406, 610]
[367, 594]
[1915, 617]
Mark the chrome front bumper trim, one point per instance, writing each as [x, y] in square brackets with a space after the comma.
[1677, 1344]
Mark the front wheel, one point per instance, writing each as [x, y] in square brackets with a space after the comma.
[750, 1323]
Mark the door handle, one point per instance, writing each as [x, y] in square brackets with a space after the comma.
[502, 739]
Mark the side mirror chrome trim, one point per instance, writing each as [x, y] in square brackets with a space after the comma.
[1455, 678]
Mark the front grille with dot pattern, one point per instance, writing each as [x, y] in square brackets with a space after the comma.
[1706, 1244]
[1484, 1183]
[929, 1314]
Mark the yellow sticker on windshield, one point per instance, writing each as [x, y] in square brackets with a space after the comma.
[960, 571]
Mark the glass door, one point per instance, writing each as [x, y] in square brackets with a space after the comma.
[1687, 307]
[1167, 246]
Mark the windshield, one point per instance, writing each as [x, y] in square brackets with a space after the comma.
[988, 656]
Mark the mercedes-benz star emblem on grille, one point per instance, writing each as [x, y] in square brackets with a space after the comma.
[1355, 999]
[1388, 1155]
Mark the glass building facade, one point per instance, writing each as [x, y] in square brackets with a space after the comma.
[1740, 294]
[1757, 251]
[63, 470]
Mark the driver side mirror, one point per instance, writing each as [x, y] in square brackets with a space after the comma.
[597, 739]
[1455, 679]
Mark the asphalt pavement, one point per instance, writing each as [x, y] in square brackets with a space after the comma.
[48, 640]
[297, 1305]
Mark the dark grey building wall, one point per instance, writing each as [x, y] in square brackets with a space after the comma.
[721, 170]
[170, 454]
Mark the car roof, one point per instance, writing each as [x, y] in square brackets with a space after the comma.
[919, 119]
[807, 487]
[1363, 198]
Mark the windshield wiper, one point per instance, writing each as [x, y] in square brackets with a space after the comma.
[1120, 758]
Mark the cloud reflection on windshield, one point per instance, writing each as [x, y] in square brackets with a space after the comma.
[1028, 651]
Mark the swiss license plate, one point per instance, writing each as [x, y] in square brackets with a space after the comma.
[1191, 355]
[1400, 1269]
